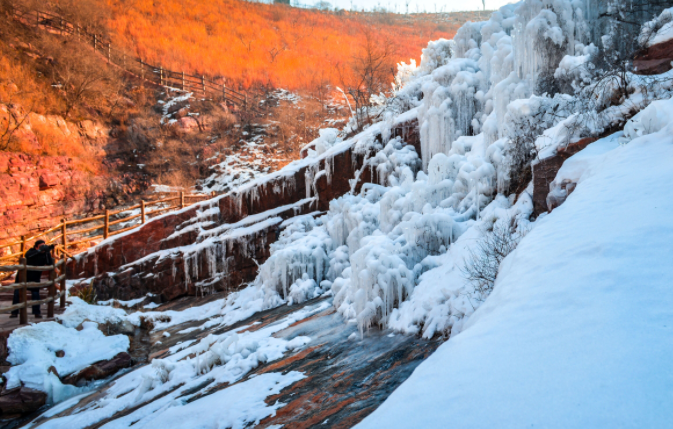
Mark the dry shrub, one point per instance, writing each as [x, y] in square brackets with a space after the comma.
[481, 265]
[85, 292]
[21, 84]
[257, 44]
[224, 122]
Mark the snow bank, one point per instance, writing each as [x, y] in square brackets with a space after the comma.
[577, 330]
[79, 311]
[650, 120]
[32, 352]
[659, 30]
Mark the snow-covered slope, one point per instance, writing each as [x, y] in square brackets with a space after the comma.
[579, 329]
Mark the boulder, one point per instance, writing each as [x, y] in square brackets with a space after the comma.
[655, 59]
[99, 370]
[187, 125]
[90, 130]
[182, 113]
[172, 107]
[544, 173]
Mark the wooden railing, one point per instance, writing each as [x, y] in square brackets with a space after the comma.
[56, 278]
[157, 74]
[72, 236]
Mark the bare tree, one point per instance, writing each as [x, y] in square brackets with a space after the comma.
[79, 75]
[370, 72]
[10, 124]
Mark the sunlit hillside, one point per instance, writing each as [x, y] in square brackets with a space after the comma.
[269, 44]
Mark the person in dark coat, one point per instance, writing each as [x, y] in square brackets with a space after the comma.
[38, 255]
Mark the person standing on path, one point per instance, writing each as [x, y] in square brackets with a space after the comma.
[38, 255]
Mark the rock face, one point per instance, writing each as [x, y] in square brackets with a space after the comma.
[235, 263]
[21, 400]
[159, 258]
[99, 370]
[37, 191]
[655, 59]
[159, 233]
[545, 171]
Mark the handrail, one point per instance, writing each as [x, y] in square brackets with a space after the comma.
[65, 230]
[56, 278]
[167, 78]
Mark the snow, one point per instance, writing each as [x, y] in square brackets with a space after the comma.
[32, 352]
[244, 405]
[577, 166]
[576, 332]
[251, 162]
[650, 120]
[328, 137]
[79, 311]
[128, 304]
[167, 390]
[659, 30]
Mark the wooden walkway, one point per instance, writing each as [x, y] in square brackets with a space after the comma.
[75, 236]
[8, 324]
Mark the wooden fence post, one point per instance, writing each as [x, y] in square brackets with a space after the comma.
[108, 53]
[224, 93]
[94, 43]
[23, 312]
[203, 84]
[62, 272]
[23, 245]
[142, 69]
[161, 76]
[52, 292]
[64, 234]
[182, 199]
[106, 228]
[142, 211]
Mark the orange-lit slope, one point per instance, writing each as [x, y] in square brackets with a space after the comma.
[255, 43]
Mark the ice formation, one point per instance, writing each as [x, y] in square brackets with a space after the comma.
[488, 103]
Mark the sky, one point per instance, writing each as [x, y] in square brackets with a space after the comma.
[414, 5]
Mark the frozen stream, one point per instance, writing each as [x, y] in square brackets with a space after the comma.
[316, 373]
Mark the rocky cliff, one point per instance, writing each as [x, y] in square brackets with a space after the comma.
[217, 244]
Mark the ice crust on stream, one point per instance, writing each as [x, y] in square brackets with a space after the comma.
[170, 388]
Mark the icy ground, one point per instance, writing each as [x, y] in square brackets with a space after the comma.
[206, 373]
[252, 160]
[578, 330]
